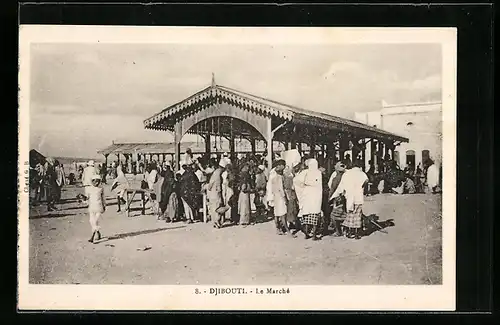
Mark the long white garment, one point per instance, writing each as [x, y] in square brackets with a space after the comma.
[121, 182]
[278, 195]
[432, 176]
[88, 172]
[151, 179]
[269, 187]
[352, 183]
[313, 189]
[309, 189]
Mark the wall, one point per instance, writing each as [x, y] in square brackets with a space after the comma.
[424, 131]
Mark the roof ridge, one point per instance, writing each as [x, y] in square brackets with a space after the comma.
[300, 108]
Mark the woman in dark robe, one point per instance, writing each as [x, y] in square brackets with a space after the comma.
[167, 188]
[190, 189]
[244, 206]
[51, 184]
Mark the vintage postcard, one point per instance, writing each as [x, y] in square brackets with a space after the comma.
[205, 168]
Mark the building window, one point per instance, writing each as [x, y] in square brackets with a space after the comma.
[410, 157]
[425, 156]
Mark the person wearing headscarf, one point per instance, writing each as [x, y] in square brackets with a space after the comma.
[168, 198]
[338, 211]
[260, 189]
[120, 185]
[199, 172]
[190, 189]
[152, 176]
[96, 207]
[227, 190]
[60, 180]
[103, 172]
[293, 160]
[352, 185]
[432, 178]
[188, 157]
[88, 173]
[309, 184]
[409, 186]
[214, 194]
[50, 183]
[244, 188]
[278, 199]
[38, 182]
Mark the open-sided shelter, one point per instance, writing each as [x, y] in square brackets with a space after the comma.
[230, 113]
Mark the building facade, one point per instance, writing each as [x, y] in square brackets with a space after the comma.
[421, 123]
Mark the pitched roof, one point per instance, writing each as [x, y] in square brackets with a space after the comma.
[169, 148]
[207, 96]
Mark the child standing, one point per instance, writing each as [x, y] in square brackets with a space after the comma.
[97, 205]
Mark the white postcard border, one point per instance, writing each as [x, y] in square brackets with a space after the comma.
[180, 297]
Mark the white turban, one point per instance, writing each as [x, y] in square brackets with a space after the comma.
[292, 157]
[312, 164]
[223, 162]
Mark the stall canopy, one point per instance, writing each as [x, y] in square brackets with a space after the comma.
[225, 112]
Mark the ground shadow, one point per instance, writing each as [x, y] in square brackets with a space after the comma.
[261, 218]
[370, 226]
[50, 215]
[138, 233]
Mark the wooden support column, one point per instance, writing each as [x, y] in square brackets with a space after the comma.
[232, 149]
[207, 144]
[363, 153]
[269, 139]
[355, 150]
[312, 146]
[373, 148]
[177, 145]
[293, 138]
[343, 147]
[106, 160]
[231, 142]
[253, 145]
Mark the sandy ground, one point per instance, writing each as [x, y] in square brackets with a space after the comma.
[410, 253]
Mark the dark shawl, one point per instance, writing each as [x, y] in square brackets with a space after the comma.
[190, 189]
[167, 187]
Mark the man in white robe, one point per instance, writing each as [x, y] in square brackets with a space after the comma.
[352, 185]
[432, 176]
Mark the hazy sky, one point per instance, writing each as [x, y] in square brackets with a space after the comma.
[83, 96]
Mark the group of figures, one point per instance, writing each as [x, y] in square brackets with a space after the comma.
[47, 179]
[296, 192]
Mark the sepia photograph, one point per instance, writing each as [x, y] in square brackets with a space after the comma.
[247, 165]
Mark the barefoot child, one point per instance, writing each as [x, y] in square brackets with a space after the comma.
[97, 205]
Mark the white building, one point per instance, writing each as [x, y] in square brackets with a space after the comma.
[421, 123]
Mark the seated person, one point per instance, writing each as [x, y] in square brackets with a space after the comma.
[409, 186]
[399, 188]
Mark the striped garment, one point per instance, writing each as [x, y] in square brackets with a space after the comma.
[353, 218]
[338, 209]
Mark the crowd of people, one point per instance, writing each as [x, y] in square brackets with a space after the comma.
[295, 191]
[47, 179]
